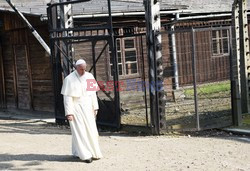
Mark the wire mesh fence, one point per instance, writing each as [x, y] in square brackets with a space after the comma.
[196, 78]
[199, 95]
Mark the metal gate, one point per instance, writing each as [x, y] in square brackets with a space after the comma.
[91, 43]
[133, 74]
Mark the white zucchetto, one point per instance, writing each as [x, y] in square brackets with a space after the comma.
[80, 62]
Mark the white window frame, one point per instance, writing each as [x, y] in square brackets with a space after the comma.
[219, 45]
[122, 51]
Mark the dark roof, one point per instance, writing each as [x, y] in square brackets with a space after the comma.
[34, 7]
[38, 7]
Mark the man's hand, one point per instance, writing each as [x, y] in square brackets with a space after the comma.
[70, 117]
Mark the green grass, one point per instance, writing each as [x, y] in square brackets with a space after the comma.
[246, 119]
[209, 89]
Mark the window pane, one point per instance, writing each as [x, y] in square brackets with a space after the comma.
[215, 47]
[219, 34]
[224, 33]
[131, 68]
[134, 68]
[129, 43]
[128, 68]
[225, 46]
[119, 57]
[118, 44]
[220, 47]
[214, 34]
[120, 69]
[220, 42]
[130, 56]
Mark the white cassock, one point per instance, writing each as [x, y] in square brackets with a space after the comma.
[81, 103]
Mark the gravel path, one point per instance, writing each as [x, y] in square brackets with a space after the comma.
[34, 145]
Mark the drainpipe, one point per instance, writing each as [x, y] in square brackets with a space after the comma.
[205, 16]
[119, 14]
[34, 32]
[175, 64]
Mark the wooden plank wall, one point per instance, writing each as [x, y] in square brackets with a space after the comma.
[22, 77]
[84, 51]
[184, 57]
[208, 68]
[167, 63]
[9, 72]
[27, 67]
[41, 73]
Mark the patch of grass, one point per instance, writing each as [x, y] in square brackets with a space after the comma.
[209, 89]
[246, 119]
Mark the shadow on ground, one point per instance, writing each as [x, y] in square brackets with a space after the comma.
[37, 158]
[32, 160]
[31, 127]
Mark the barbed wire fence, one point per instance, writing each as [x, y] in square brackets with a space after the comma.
[203, 97]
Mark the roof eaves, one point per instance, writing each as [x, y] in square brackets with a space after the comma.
[25, 13]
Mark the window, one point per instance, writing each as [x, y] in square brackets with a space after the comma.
[220, 42]
[127, 56]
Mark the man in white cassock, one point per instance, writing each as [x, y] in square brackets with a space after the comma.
[81, 108]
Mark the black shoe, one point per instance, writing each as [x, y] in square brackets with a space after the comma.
[88, 160]
[75, 157]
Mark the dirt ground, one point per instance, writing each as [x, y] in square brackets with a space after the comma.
[36, 145]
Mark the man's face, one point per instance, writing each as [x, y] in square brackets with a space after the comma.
[81, 69]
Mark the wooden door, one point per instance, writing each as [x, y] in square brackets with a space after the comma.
[22, 77]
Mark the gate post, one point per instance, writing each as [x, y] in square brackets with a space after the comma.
[195, 79]
[235, 66]
[157, 96]
[244, 57]
[112, 44]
